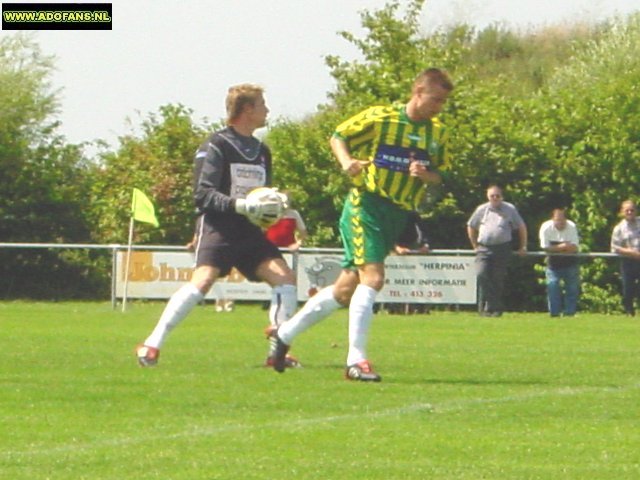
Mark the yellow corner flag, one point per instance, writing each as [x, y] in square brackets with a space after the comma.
[142, 209]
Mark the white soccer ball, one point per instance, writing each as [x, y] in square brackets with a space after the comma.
[265, 206]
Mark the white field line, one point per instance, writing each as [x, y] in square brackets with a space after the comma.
[301, 423]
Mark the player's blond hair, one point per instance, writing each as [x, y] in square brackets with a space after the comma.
[434, 76]
[239, 96]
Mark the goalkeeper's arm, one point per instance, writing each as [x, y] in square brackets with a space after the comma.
[208, 174]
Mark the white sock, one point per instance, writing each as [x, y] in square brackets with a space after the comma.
[284, 303]
[360, 315]
[317, 307]
[179, 305]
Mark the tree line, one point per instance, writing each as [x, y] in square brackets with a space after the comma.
[549, 113]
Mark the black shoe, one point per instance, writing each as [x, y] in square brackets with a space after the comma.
[361, 371]
[289, 361]
[279, 349]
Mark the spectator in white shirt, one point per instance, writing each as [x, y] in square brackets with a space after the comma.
[560, 236]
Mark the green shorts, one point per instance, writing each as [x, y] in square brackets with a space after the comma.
[369, 226]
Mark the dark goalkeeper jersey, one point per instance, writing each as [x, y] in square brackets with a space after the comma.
[227, 166]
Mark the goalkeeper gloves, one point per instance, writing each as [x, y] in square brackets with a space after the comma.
[261, 211]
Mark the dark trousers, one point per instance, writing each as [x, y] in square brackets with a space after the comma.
[630, 271]
[491, 268]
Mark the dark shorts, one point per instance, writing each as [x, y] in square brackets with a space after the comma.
[232, 241]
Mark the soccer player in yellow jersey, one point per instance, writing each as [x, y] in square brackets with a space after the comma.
[391, 153]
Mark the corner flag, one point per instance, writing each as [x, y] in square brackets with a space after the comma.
[142, 209]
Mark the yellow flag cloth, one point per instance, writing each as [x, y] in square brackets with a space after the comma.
[142, 209]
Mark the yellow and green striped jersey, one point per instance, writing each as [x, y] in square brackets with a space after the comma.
[390, 141]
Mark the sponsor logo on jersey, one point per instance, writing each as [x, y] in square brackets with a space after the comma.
[245, 177]
[397, 159]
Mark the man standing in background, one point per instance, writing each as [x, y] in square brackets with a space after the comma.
[625, 241]
[490, 229]
[560, 235]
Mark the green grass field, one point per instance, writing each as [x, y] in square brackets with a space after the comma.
[462, 397]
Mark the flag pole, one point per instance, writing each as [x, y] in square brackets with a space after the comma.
[128, 263]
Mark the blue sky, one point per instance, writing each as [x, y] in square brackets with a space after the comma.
[190, 51]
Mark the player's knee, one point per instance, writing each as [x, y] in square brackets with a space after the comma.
[204, 285]
[372, 276]
[376, 283]
[286, 277]
[342, 298]
[374, 280]
[203, 278]
[343, 293]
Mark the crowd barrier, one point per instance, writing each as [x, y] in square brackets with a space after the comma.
[443, 276]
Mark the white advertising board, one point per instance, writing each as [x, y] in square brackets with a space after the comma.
[409, 279]
[157, 275]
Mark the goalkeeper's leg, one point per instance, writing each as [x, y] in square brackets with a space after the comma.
[284, 303]
[178, 307]
[284, 299]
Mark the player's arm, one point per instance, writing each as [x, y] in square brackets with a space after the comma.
[627, 252]
[301, 228]
[545, 244]
[210, 166]
[262, 209]
[563, 247]
[617, 246]
[358, 128]
[472, 233]
[522, 236]
[570, 245]
[417, 169]
[208, 175]
[434, 175]
[340, 149]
